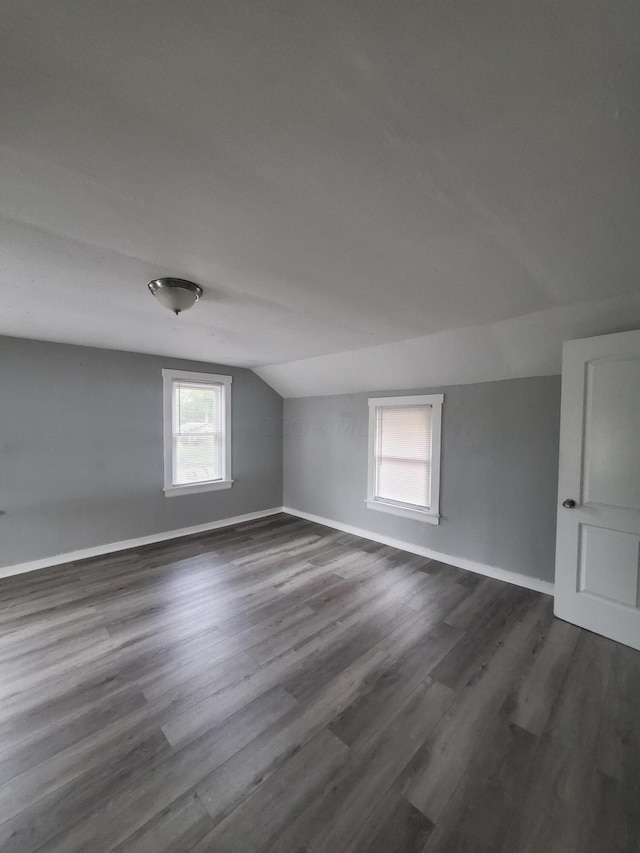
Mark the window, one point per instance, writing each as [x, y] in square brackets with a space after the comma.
[404, 456]
[197, 432]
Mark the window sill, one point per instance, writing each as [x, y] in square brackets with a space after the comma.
[405, 512]
[197, 488]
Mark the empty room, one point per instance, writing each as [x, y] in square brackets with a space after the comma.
[319, 426]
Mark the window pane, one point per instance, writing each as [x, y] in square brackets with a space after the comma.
[403, 455]
[197, 458]
[197, 433]
[197, 408]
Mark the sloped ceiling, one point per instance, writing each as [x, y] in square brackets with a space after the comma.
[372, 194]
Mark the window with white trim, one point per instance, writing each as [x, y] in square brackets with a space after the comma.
[404, 456]
[197, 432]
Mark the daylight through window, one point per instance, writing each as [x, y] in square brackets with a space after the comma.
[197, 441]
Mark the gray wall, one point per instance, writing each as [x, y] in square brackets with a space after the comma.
[498, 481]
[81, 449]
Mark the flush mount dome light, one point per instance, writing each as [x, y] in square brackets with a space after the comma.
[176, 294]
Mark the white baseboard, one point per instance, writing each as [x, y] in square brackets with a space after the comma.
[124, 545]
[460, 562]
[114, 547]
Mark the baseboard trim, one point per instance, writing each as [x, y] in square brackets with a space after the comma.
[126, 544]
[460, 562]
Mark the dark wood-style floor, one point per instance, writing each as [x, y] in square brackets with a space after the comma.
[280, 686]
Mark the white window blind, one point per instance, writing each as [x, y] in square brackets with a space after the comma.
[403, 475]
[197, 432]
[403, 455]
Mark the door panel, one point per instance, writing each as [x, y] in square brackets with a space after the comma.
[598, 539]
[609, 564]
[612, 427]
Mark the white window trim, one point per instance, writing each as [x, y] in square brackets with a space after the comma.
[168, 378]
[432, 515]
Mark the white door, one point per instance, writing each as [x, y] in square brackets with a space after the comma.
[598, 546]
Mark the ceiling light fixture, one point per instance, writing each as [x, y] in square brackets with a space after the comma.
[176, 294]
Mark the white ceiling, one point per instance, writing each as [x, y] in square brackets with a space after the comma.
[410, 176]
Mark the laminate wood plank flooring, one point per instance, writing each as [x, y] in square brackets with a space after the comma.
[280, 687]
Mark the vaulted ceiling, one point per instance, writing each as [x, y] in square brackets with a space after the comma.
[372, 194]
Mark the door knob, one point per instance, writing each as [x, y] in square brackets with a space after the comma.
[569, 503]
